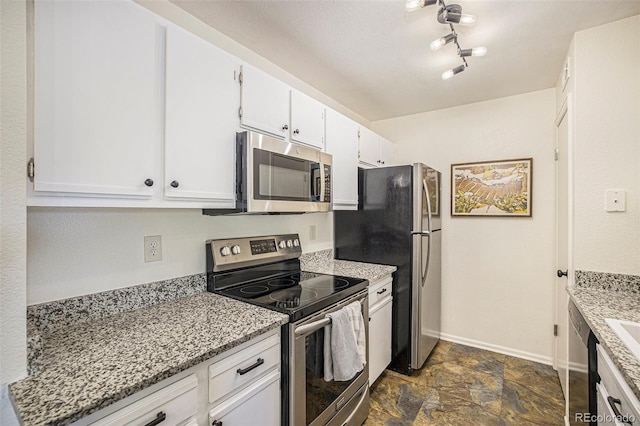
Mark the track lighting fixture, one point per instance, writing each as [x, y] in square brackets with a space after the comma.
[438, 43]
[449, 15]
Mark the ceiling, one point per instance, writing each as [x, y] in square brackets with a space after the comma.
[374, 57]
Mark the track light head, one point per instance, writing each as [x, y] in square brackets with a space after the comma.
[450, 73]
[452, 14]
[438, 43]
[413, 5]
[476, 51]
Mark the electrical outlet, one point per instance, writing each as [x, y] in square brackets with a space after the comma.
[312, 232]
[152, 248]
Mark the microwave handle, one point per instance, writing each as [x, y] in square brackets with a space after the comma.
[322, 182]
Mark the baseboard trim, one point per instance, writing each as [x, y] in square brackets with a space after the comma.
[547, 360]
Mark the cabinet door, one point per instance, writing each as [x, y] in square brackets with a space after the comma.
[307, 120]
[265, 102]
[202, 101]
[261, 399]
[379, 338]
[342, 144]
[387, 152]
[97, 111]
[369, 147]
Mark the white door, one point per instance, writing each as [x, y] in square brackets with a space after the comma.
[202, 101]
[342, 144]
[97, 106]
[369, 148]
[563, 238]
[307, 120]
[265, 102]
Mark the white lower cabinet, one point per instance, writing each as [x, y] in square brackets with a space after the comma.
[380, 305]
[257, 404]
[238, 387]
[175, 404]
[617, 404]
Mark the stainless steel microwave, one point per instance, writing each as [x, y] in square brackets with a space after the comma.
[275, 176]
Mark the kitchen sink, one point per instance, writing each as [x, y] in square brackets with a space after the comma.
[628, 332]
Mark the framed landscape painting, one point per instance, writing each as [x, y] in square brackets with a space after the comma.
[492, 188]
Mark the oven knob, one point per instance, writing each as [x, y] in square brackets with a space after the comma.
[235, 249]
[296, 243]
[289, 243]
[282, 244]
[225, 251]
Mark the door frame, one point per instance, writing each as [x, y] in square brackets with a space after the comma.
[564, 113]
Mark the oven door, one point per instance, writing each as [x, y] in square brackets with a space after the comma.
[285, 177]
[314, 401]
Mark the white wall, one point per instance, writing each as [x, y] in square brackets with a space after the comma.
[606, 86]
[76, 251]
[497, 273]
[13, 193]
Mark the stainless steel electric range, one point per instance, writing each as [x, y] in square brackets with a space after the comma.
[265, 271]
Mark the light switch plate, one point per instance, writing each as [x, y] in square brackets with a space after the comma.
[615, 200]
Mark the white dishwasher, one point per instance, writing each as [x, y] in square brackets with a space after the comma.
[380, 303]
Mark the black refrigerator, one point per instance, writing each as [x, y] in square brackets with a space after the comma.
[398, 223]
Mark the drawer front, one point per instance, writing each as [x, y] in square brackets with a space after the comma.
[235, 372]
[257, 404]
[612, 381]
[176, 404]
[606, 417]
[380, 290]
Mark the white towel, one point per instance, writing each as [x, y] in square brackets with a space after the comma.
[357, 322]
[343, 354]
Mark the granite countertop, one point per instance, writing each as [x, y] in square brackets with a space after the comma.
[91, 365]
[322, 262]
[596, 304]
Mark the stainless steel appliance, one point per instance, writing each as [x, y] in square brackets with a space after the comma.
[265, 271]
[274, 176]
[583, 370]
[398, 223]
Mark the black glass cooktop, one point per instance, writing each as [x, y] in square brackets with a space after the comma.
[297, 294]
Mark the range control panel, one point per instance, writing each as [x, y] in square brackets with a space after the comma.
[240, 252]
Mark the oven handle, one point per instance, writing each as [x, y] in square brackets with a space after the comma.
[307, 328]
[316, 325]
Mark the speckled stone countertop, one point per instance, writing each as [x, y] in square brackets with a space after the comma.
[93, 364]
[599, 296]
[322, 262]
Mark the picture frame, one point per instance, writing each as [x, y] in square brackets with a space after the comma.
[501, 188]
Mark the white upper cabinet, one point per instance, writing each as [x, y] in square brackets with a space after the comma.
[387, 152]
[375, 150]
[202, 101]
[265, 102]
[342, 144]
[97, 91]
[307, 120]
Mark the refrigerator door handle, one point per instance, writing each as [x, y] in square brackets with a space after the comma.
[426, 264]
[426, 196]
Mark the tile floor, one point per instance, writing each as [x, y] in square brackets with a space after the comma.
[460, 385]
